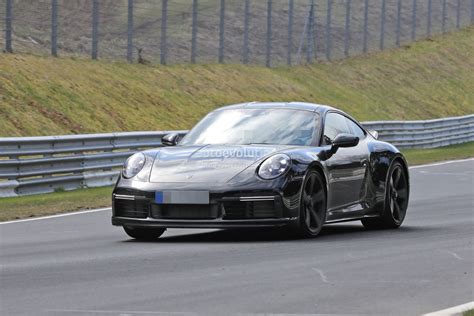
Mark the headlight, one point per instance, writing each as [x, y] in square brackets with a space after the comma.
[133, 165]
[274, 166]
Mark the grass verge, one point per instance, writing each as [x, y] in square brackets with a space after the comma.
[423, 156]
[54, 203]
[51, 96]
[62, 202]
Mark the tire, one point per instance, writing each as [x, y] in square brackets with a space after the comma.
[142, 233]
[396, 200]
[312, 206]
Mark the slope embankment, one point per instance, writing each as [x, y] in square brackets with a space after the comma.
[46, 96]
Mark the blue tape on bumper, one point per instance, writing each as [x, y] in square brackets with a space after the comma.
[159, 197]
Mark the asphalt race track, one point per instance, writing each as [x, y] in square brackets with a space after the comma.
[81, 265]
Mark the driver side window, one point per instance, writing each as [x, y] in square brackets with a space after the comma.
[334, 125]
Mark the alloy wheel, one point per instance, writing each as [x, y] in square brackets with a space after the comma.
[313, 203]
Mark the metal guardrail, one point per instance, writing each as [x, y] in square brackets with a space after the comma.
[425, 134]
[33, 165]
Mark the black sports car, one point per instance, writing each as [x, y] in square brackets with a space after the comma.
[294, 165]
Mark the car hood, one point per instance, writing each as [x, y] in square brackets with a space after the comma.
[208, 163]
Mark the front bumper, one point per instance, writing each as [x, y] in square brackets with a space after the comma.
[225, 210]
[213, 223]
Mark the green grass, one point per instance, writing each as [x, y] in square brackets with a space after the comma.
[422, 156]
[468, 313]
[47, 96]
[54, 203]
[62, 202]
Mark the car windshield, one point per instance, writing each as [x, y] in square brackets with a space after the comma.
[254, 126]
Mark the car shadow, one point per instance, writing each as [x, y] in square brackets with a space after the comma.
[333, 232]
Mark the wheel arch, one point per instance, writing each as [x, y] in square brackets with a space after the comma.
[399, 158]
[318, 167]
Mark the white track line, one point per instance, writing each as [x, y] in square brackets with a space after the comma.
[453, 310]
[108, 208]
[56, 216]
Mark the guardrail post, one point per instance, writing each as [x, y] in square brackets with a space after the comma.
[347, 28]
[246, 32]
[54, 28]
[8, 26]
[328, 30]
[130, 31]
[194, 32]
[366, 26]
[164, 26]
[290, 31]
[382, 26]
[95, 28]
[430, 5]
[413, 21]
[399, 17]
[221, 32]
[268, 59]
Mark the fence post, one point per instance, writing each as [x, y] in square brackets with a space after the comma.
[382, 26]
[8, 27]
[430, 5]
[443, 18]
[194, 32]
[268, 58]
[347, 28]
[130, 32]
[221, 32]
[164, 26]
[399, 17]
[310, 35]
[472, 11]
[458, 14]
[290, 31]
[413, 21]
[366, 24]
[328, 30]
[54, 28]
[95, 28]
[246, 31]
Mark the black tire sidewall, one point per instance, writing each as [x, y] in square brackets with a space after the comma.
[303, 229]
[387, 213]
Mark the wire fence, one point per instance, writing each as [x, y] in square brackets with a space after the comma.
[267, 32]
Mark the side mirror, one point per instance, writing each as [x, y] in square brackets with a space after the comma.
[345, 140]
[375, 134]
[170, 139]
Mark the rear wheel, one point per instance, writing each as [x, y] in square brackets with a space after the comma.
[396, 200]
[144, 233]
[312, 205]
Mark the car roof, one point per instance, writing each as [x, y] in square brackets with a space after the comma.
[276, 105]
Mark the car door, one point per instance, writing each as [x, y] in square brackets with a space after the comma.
[347, 167]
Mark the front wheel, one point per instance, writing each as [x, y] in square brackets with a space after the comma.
[396, 200]
[312, 205]
[144, 233]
